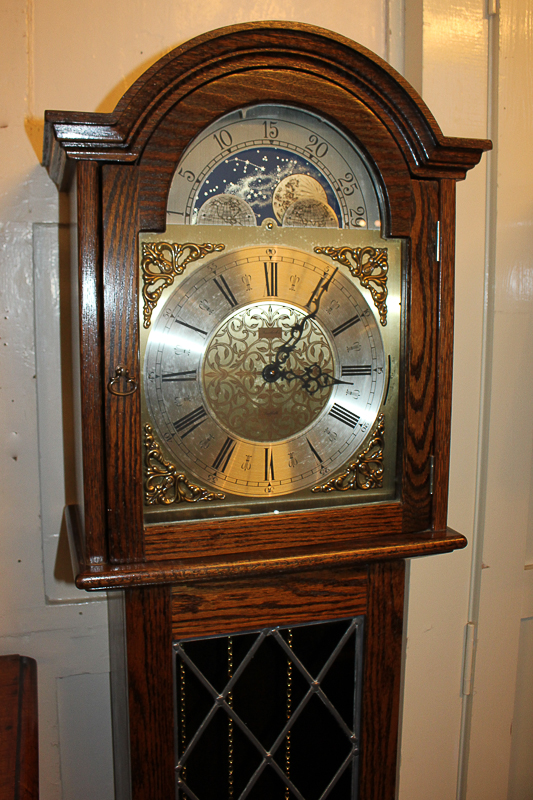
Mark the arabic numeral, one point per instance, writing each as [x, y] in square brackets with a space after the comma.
[352, 183]
[271, 131]
[357, 219]
[317, 146]
[187, 174]
[224, 139]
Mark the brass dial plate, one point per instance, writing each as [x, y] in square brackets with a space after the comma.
[267, 300]
[206, 356]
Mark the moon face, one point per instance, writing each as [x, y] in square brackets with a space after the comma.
[296, 187]
[225, 209]
[310, 214]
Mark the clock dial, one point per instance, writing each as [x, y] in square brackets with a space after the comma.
[273, 162]
[264, 371]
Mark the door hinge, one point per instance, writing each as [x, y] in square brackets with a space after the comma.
[437, 243]
[493, 6]
[431, 473]
[468, 660]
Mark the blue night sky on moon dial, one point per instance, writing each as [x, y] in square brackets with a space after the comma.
[255, 173]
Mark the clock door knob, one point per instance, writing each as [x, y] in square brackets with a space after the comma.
[122, 385]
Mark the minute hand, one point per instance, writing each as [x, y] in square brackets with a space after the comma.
[286, 349]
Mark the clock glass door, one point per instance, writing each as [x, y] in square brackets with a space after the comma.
[271, 321]
[272, 713]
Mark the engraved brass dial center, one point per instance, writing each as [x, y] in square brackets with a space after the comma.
[245, 390]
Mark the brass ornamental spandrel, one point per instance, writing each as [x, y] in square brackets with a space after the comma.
[161, 262]
[368, 264]
[366, 472]
[164, 483]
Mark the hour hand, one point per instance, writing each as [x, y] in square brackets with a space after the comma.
[313, 378]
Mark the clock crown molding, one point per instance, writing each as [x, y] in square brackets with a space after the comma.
[121, 135]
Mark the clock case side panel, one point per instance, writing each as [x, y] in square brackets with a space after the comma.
[446, 250]
[121, 363]
[142, 693]
[86, 520]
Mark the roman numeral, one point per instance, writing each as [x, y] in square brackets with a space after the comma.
[188, 375]
[192, 327]
[365, 369]
[271, 278]
[314, 452]
[189, 422]
[345, 325]
[269, 464]
[226, 451]
[226, 291]
[320, 288]
[343, 415]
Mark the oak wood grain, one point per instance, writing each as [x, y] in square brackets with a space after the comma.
[150, 692]
[108, 576]
[443, 411]
[19, 764]
[265, 601]
[120, 716]
[123, 446]
[89, 285]
[381, 682]
[321, 527]
[420, 360]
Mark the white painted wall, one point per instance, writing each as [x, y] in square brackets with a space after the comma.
[82, 56]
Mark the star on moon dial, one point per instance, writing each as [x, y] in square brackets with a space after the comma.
[273, 162]
[264, 371]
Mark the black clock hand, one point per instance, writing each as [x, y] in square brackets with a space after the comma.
[312, 378]
[273, 371]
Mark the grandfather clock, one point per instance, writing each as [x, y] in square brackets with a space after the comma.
[264, 282]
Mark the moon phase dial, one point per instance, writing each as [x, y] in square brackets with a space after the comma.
[273, 162]
[264, 371]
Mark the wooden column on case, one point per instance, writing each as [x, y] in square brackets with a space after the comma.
[123, 412]
[89, 281]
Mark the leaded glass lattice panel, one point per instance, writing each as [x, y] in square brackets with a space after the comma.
[270, 714]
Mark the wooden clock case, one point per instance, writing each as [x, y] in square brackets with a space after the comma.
[215, 576]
